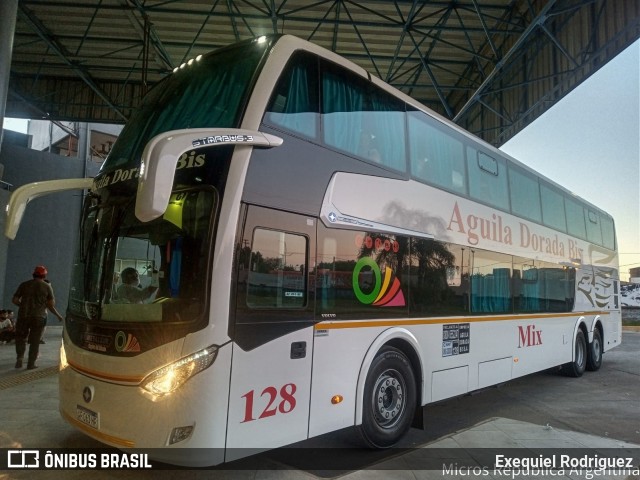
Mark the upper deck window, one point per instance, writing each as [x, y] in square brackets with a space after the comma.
[487, 163]
[437, 157]
[488, 179]
[553, 208]
[294, 103]
[575, 218]
[525, 194]
[211, 92]
[608, 232]
[361, 119]
[592, 221]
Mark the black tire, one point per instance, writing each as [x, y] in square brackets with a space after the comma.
[577, 367]
[389, 399]
[594, 357]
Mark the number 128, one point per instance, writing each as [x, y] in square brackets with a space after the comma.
[285, 402]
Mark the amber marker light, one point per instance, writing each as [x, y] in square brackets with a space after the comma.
[515, 360]
[336, 399]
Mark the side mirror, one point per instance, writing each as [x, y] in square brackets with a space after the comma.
[161, 154]
[24, 194]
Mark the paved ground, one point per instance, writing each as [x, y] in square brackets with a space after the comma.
[543, 411]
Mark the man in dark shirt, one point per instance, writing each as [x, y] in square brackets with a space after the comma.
[33, 297]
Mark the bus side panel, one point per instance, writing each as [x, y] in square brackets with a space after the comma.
[269, 397]
[337, 361]
[612, 326]
[498, 350]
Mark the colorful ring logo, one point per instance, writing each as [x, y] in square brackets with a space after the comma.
[385, 293]
[126, 342]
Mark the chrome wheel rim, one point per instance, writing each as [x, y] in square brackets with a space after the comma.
[389, 398]
[597, 350]
[580, 353]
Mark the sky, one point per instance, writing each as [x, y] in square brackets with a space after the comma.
[588, 142]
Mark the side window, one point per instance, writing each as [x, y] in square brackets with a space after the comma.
[436, 157]
[594, 232]
[361, 119]
[608, 232]
[294, 104]
[438, 279]
[553, 208]
[487, 163]
[575, 218]
[488, 179]
[542, 287]
[277, 270]
[490, 282]
[525, 194]
[361, 274]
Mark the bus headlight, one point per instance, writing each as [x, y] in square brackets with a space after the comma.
[167, 380]
[63, 358]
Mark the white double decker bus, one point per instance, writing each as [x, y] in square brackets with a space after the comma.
[312, 250]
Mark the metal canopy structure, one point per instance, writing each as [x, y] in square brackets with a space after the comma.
[492, 66]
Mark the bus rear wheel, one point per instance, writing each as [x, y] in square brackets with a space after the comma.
[577, 367]
[594, 357]
[389, 399]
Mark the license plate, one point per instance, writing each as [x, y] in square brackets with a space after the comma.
[88, 417]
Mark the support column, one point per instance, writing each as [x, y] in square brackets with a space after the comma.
[84, 132]
[8, 12]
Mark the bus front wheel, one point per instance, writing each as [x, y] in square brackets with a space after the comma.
[577, 367]
[389, 399]
[594, 358]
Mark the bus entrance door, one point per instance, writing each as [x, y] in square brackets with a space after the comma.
[273, 333]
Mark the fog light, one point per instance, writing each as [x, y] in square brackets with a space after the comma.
[180, 434]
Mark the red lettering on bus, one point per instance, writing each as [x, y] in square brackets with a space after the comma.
[529, 337]
[286, 404]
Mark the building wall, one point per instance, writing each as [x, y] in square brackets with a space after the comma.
[45, 133]
[48, 232]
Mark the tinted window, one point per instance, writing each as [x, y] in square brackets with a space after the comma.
[294, 104]
[487, 179]
[575, 218]
[542, 287]
[361, 274]
[490, 283]
[608, 232]
[592, 221]
[553, 208]
[277, 270]
[362, 120]
[436, 157]
[146, 272]
[438, 278]
[487, 163]
[209, 93]
[525, 195]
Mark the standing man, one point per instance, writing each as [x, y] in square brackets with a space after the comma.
[33, 297]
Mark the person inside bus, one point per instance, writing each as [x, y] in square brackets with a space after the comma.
[129, 291]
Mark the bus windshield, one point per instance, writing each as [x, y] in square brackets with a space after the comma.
[208, 92]
[129, 271]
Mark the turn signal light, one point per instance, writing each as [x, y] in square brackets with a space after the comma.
[336, 399]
